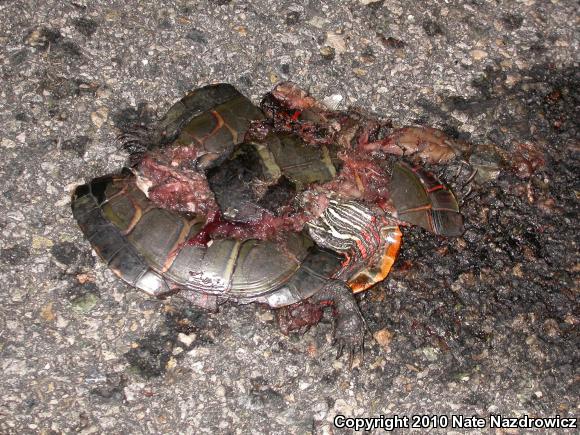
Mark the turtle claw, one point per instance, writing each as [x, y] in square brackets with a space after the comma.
[339, 349]
[350, 350]
[349, 325]
[460, 176]
[350, 342]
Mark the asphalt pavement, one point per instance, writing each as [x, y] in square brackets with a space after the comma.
[485, 324]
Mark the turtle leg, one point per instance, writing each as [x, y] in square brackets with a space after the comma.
[369, 244]
[348, 335]
[451, 159]
[421, 143]
[348, 320]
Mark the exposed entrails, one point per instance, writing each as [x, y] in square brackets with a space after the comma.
[288, 204]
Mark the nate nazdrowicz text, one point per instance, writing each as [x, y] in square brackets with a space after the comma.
[432, 421]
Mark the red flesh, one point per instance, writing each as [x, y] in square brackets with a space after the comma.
[177, 185]
[269, 227]
[299, 316]
[176, 188]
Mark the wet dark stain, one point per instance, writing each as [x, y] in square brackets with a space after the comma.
[70, 48]
[191, 320]
[165, 24]
[125, 119]
[292, 18]
[14, 255]
[61, 48]
[78, 292]
[42, 37]
[65, 252]
[18, 57]
[245, 81]
[31, 403]
[77, 144]
[544, 97]
[262, 396]
[86, 26]
[454, 133]
[390, 42]
[505, 264]
[22, 117]
[61, 87]
[196, 35]
[150, 357]
[512, 21]
[433, 28]
[137, 129]
[113, 388]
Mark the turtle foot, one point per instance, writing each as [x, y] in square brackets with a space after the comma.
[349, 326]
[349, 339]
[459, 175]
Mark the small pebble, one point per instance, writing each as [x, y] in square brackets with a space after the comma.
[99, 116]
[383, 337]
[478, 54]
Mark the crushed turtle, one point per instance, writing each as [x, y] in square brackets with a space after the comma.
[289, 204]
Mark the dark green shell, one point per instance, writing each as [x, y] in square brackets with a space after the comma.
[147, 246]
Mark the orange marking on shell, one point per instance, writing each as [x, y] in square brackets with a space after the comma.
[116, 271]
[135, 218]
[421, 208]
[220, 122]
[122, 191]
[365, 279]
[176, 248]
[436, 188]
[232, 131]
